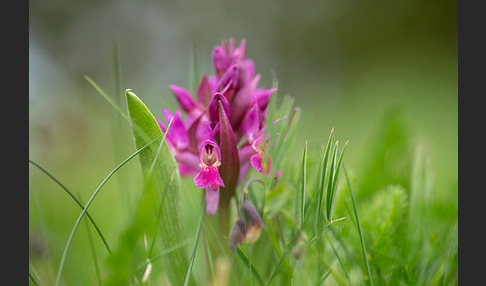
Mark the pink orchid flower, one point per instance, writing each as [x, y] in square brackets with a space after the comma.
[222, 134]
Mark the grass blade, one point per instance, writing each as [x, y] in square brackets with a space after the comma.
[107, 98]
[321, 183]
[304, 183]
[332, 169]
[85, 208]
[301, 199]
[93, 252]
[34, 276]
[324, 277]
[75, 199]
[341, 263]
[247, 261]
[334, 182]
[196, 240]
[363, 247]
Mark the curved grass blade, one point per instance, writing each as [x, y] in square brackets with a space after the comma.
[75, 199]
[363, 247]
[85, 208]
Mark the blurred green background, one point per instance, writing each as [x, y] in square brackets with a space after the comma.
[351, 65]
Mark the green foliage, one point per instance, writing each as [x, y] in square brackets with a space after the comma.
[326, 222]
[158, 215]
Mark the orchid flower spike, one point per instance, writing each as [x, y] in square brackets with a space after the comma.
[219, 135]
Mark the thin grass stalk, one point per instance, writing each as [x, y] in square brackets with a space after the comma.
[209, 259]
[300, 204]
[324, 277]
[93, 252]
[247, 261]
[164, 252]
[118, 132]
[34, 276]
[107, 98]
[341, 263]
[76, 200]
[85, 208]
[196, 240]
[286, 251]
[358, 224]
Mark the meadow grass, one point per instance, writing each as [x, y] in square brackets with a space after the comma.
[378, 225]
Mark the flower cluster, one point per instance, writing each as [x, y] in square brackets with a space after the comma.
[222, 134]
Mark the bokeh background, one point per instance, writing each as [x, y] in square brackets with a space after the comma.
[348, 64]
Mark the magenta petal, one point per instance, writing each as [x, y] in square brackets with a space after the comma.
[245, 153]
[239, 54]
[212, 200]
[247, 71]
[208, 177]
[256, 162]
[220, 60]
[168, 139]
[213, 106]
[178, 134]
[213, 84]
[183, 98]
[207, 133]
[242, 102]
[204, 92]
[251, 124]
[229, 82]
[262, 97]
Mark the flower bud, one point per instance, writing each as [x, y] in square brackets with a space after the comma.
[254, 222]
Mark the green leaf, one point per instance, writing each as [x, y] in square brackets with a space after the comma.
[358, 224]
[334, 182]
[300, 202]
[321, 184]
[161, 186]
